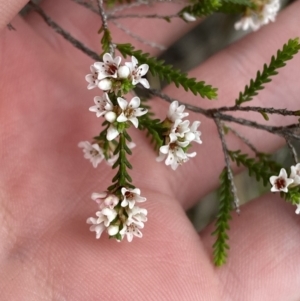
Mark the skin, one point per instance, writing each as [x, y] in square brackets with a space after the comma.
[46, 249]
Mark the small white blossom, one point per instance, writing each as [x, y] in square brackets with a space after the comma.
[137, 72]
[131, 230]
[180, 128]
[297, 209]
[102, 105]
[112, 133]
[281, 182]
[105, 217]
[109, 66]
[130, 111]
[173, 154]
[196, 133]
[176, 112]
[96, 227]
[131, 196]
[105, 199]
[92, 152]
[295, 173]
[254, 19]
[92, 79]
[188, 17]
[247, 22]
[137, 215]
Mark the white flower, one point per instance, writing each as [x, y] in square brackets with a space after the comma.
[281, 182]
[254, 19]
[92, 152]
[105, 199]
[194, 131]
[106, 216]
[96, 227]
[176, 112]
[297, 209]
[295, 173]
[130, 111]
[92, 79]
[109, 66]
[247, 22]
[112, 133]
[180, 128]
[137, 72]
[173, 154]
[102, 105]
[105, 84]
[137, 215]
[131, 196]
[188, 17]
[131, 230]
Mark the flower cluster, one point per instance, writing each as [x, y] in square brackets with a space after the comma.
[282, 182]
[110, 76]
[264, 11]
[178, 138]
[118, 214]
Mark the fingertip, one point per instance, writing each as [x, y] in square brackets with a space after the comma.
[8, 9]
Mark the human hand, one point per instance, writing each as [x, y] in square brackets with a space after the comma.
[46, 250]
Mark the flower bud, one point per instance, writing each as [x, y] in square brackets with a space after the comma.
[123, 72]
[110, 116]
[105, 84]
[188, 17]
[112, 230]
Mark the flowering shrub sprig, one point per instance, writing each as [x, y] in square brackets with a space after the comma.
[120, 110]
[118, 214]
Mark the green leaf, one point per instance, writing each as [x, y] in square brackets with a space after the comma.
[202, 8]
[167, 72]
[286, 53]
[262, 167]
[221, 246]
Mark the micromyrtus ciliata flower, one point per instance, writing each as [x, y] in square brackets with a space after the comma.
[179, 137]
[118, 215]
[280, 182]
[265, 11]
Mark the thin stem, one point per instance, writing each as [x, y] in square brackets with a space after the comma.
[283, 112]
[104, 24]
[138, 38]
[292, 149]
[244, 139]
[212, 113]
[76, 43]
[141, 16]
[227, 161]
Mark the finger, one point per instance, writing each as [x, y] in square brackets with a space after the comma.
[8, 9]
[230, 70]
[263, 261]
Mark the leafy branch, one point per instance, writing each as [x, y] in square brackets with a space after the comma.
[122, 178]
[263, 167]
[222, 224]
[202, 8]
[288, 51]
[167, 72]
